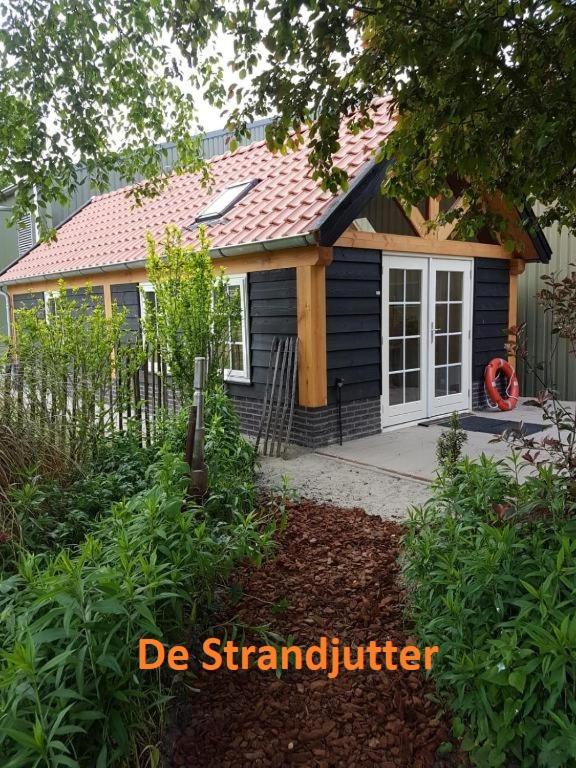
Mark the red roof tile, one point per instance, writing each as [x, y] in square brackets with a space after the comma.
[287, 202]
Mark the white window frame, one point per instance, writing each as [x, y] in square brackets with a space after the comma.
[144, 288]
[48, 295]
[147, 288]
[230, 374]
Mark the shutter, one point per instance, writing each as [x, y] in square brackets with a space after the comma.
[25, 234]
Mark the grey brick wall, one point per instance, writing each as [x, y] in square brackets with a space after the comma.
[317, 427]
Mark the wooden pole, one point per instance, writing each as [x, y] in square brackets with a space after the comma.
[199, 474]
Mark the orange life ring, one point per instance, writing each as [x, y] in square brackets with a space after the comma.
[494, 367]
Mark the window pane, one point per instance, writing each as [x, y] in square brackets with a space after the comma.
[413, 285]
[413, 320]
[441, 344]
[455, 349]
[236, 329]
[412, 353]
[456, 286]
[396, 321]
[223, 201]
[441, 319]
[237, 358]
[396, 393]
[455, 317]
[396, 285]
[412, 386]
[441, 286]
[441, 382]
[455, 379]
[395, 355]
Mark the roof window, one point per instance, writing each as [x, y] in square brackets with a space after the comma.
[224, 201]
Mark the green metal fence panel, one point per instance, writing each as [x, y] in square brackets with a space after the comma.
[541, 344]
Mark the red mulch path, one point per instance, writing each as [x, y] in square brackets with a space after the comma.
[338, 569]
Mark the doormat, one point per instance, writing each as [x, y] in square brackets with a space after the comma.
[493, 426]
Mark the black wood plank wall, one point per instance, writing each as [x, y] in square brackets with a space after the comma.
[272, 312]
[353, 323]
[127, 296]
[30, 300]
[490, 318]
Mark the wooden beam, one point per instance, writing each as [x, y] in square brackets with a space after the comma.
[514, 229]
[311, 311]
[259, 262]
[107, 291]
[252, 262]
[416, 219]
[406, 244]
[512, 309]
[433, 207]
[444, 231]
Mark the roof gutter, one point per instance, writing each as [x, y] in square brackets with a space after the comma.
[264, 246]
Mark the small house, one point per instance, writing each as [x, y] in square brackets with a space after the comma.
[395, 322]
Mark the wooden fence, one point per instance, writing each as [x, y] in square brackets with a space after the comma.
[129, 395]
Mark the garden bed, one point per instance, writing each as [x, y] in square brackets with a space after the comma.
[337, 571]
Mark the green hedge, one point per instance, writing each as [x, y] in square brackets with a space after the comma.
[491, 571]
[71, 693]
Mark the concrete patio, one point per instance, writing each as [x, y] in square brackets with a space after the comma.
[384, 474]
[411, 451]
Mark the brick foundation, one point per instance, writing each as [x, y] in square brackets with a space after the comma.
[317, 427]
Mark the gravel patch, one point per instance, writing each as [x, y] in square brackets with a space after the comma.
[336, 481]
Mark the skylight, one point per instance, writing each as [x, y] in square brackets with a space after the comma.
[223, 202]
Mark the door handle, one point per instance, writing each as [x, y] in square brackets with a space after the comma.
[432, 332]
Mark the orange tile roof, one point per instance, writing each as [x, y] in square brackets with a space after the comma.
[287, 202]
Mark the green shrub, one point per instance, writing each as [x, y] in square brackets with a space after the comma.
[491, 572]
[71, 693]
[450, 444]
[50, 511]
[231, 459]
[65, 365]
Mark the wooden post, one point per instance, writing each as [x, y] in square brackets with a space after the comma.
[517, 266]
[199, 473]
[107, 289]
[311, 311]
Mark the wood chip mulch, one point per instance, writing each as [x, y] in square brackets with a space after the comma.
[338, 571]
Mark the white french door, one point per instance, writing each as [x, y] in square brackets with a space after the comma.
[426, 328]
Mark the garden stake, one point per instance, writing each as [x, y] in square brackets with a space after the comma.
[199, 474]
[266, 391]
[281, 391]
[272, 391]
[292, 396]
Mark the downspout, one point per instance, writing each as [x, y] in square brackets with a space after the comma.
[7, 306]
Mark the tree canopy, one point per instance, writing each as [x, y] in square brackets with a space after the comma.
[484, 90]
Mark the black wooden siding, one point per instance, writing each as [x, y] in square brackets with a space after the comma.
[272, 312]
[353, 323]
[490, 318]
[127, 297]
[30, 300]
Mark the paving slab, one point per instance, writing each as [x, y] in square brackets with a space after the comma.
[411, 451]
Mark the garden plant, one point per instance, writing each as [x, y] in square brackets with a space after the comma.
[100, 544]
[490, 564]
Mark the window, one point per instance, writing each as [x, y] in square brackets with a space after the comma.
[238, 368]
[147, 298]
[238, 363]
[147, 303]
[50, 304]
[225, 200]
